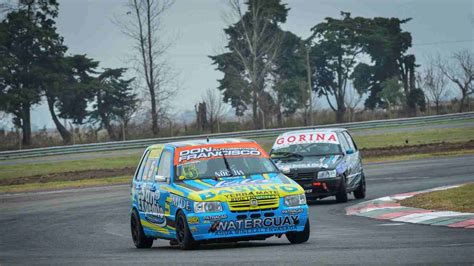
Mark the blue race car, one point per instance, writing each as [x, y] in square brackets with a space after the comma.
[216, 190]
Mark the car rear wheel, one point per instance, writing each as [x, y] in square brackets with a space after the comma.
[139, 238]
[341, 195]
[359, 193]
[183, 235]
[299, 237]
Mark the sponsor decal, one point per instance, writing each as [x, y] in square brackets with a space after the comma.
[308, 191]
[180, 202]
[248, 191]
[240, 182]
[209, 152]
[259, 225]
[204, 152]
[193, 229]
[292, 211]
[305, 138]
[213, 218]
[193, 220]
[148, 202]
[323, 162]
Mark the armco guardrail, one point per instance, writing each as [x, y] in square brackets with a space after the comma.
[142, 143]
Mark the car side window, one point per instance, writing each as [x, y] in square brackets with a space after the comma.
[345, 145]
[164, 168]
[350, 141]
[141, 167]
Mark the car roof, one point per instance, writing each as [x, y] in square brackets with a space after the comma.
[198, 142]
[328, 130]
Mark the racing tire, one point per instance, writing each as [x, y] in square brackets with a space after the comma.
[183, 235]
[359, 193]
[138, 236]
[341, 195]
[299, 237]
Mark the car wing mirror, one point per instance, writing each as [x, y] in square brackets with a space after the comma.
[350, 151]
[160, 178]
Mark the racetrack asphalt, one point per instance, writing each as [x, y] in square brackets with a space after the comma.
[91, 226]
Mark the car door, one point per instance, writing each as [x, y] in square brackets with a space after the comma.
[160, 187]
[136, 190]
[353, 161]
[148, 196]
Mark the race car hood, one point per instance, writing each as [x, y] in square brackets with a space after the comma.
[313, 162]
[229, 188]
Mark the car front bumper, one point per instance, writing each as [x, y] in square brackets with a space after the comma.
[320, 188]
[247, 224]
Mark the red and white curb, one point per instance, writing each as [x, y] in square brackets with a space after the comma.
[388, 208]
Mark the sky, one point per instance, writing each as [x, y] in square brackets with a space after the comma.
[196, 28]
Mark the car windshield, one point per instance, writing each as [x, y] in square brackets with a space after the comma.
[214, 168]
[221, 160]
[311, 149]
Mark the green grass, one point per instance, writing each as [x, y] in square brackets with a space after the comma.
[414, 138]
[39, 168]
[459, 199]
[65, 184]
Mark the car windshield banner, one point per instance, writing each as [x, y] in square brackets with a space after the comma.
[306, 138]
[204, 152]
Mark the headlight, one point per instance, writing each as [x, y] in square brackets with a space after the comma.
[326, 174]
[295, 200]
[200, 207]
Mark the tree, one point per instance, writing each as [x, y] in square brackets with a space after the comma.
[334, 53]
[391, 93]
[434, 82]
[28, 39]
[253, 44]
[352, 99]
[386, 43]
[113, 99]
[289, 77]
[142, 25]
[68, 88]
[215, 109]
[461, 72]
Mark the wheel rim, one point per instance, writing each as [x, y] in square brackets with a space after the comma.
[134, 229]
[180, 229]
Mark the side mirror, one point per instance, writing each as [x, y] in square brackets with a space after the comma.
[350, 151]
[160, 178]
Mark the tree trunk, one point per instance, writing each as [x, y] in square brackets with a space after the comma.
[461, 102]
[65, 134]
[26, 125]
[340, 115]
[154, 114]
[256, 124]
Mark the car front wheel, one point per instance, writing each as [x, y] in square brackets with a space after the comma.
[299, 237]
[341, 195]
[359, 193]
[183, 235]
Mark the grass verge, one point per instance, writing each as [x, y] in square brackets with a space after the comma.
[459, 199]
[65, 184]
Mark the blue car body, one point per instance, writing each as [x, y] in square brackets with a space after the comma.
[253, 205]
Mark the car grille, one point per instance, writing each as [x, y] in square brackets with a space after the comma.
[262, 204]
[301, 175]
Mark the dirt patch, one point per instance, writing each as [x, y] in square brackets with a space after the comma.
[417, 149]
[68, 176]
